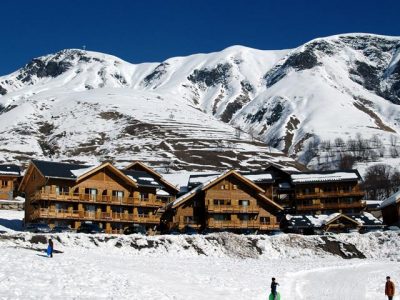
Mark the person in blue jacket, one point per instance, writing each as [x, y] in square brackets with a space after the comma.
[50, 248]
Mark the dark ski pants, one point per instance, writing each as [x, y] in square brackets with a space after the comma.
[390, 297]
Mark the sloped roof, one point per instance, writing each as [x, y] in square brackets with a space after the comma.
[316, 221]
[143, 178]
[325, 176]
[153, 172]
[197, 179]
[11, 170]
[213, 180]
[58, 169]
[366, 219]
[394, 198]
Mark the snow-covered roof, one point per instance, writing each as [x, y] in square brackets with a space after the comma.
[10, 170]
[80, 172]
[366, 219]
[160, 192]
[316, 221]
[259, 177]
[198, 188]
[323, 177]
[394, 198]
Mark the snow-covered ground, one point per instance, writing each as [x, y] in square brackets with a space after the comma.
[106, 274]
[219, 266]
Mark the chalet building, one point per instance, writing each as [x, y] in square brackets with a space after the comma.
[69, 194]
[317, 224]
[390, 208]
[327, 192]
[228, 201]
[336, 223]
[322, 192]
[10, 176]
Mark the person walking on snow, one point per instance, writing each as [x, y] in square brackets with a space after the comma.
[274, 285]
[389, 288]
[50, 248]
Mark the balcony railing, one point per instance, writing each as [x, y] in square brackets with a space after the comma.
[319, 206]
[241, 224]
[94, 216]
[354, 193]
[89, 198]
[233, 208]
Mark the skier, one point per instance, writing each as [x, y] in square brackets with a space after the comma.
[50, 248]
[389, 288]
[274, 292]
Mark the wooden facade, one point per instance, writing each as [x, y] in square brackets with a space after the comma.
[105, 195]
[323, 192]
[10, 177]
[328, 196]
[227, 202]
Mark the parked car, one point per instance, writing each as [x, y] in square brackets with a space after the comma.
[174, 232]
[275, 232]
[135, 228]
[391, 228]
[189, 230]
[37, 228]
[62, 228]
[90, 228]
[209, 231]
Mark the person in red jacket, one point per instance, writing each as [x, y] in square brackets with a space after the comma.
[389, 288]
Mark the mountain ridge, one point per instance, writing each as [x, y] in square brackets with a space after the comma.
[286, 99]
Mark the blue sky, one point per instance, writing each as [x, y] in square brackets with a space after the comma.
[153, 30]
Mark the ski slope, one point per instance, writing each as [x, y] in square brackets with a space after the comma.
[96, 274]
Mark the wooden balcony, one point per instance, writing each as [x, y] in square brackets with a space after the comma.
[94, 216]
[233, 209]
[337, 206]
[240, 224]
[355, 193]
[88, 198]
[183, 223]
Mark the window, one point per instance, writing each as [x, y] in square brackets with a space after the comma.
[144, 196]
[219, 202]
[234, 187]
[4, 183]
[118, 194]
[92, 193]
[244, 202]
[62, 190]
[244, 217]
[222, 217]
[222, 187]
[265, 220]
[188, 219]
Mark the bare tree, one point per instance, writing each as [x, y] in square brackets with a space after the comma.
[393, 140]
[339, 143]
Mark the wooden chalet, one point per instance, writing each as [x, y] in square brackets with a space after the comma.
[317, 224]
[227, 201]
[10, 176]
[390, 208]
[327, 192]
[317, 192]
[69, 194]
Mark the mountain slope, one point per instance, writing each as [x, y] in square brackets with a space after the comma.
[86, 106]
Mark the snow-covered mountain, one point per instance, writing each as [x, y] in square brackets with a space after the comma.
[225, 108]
